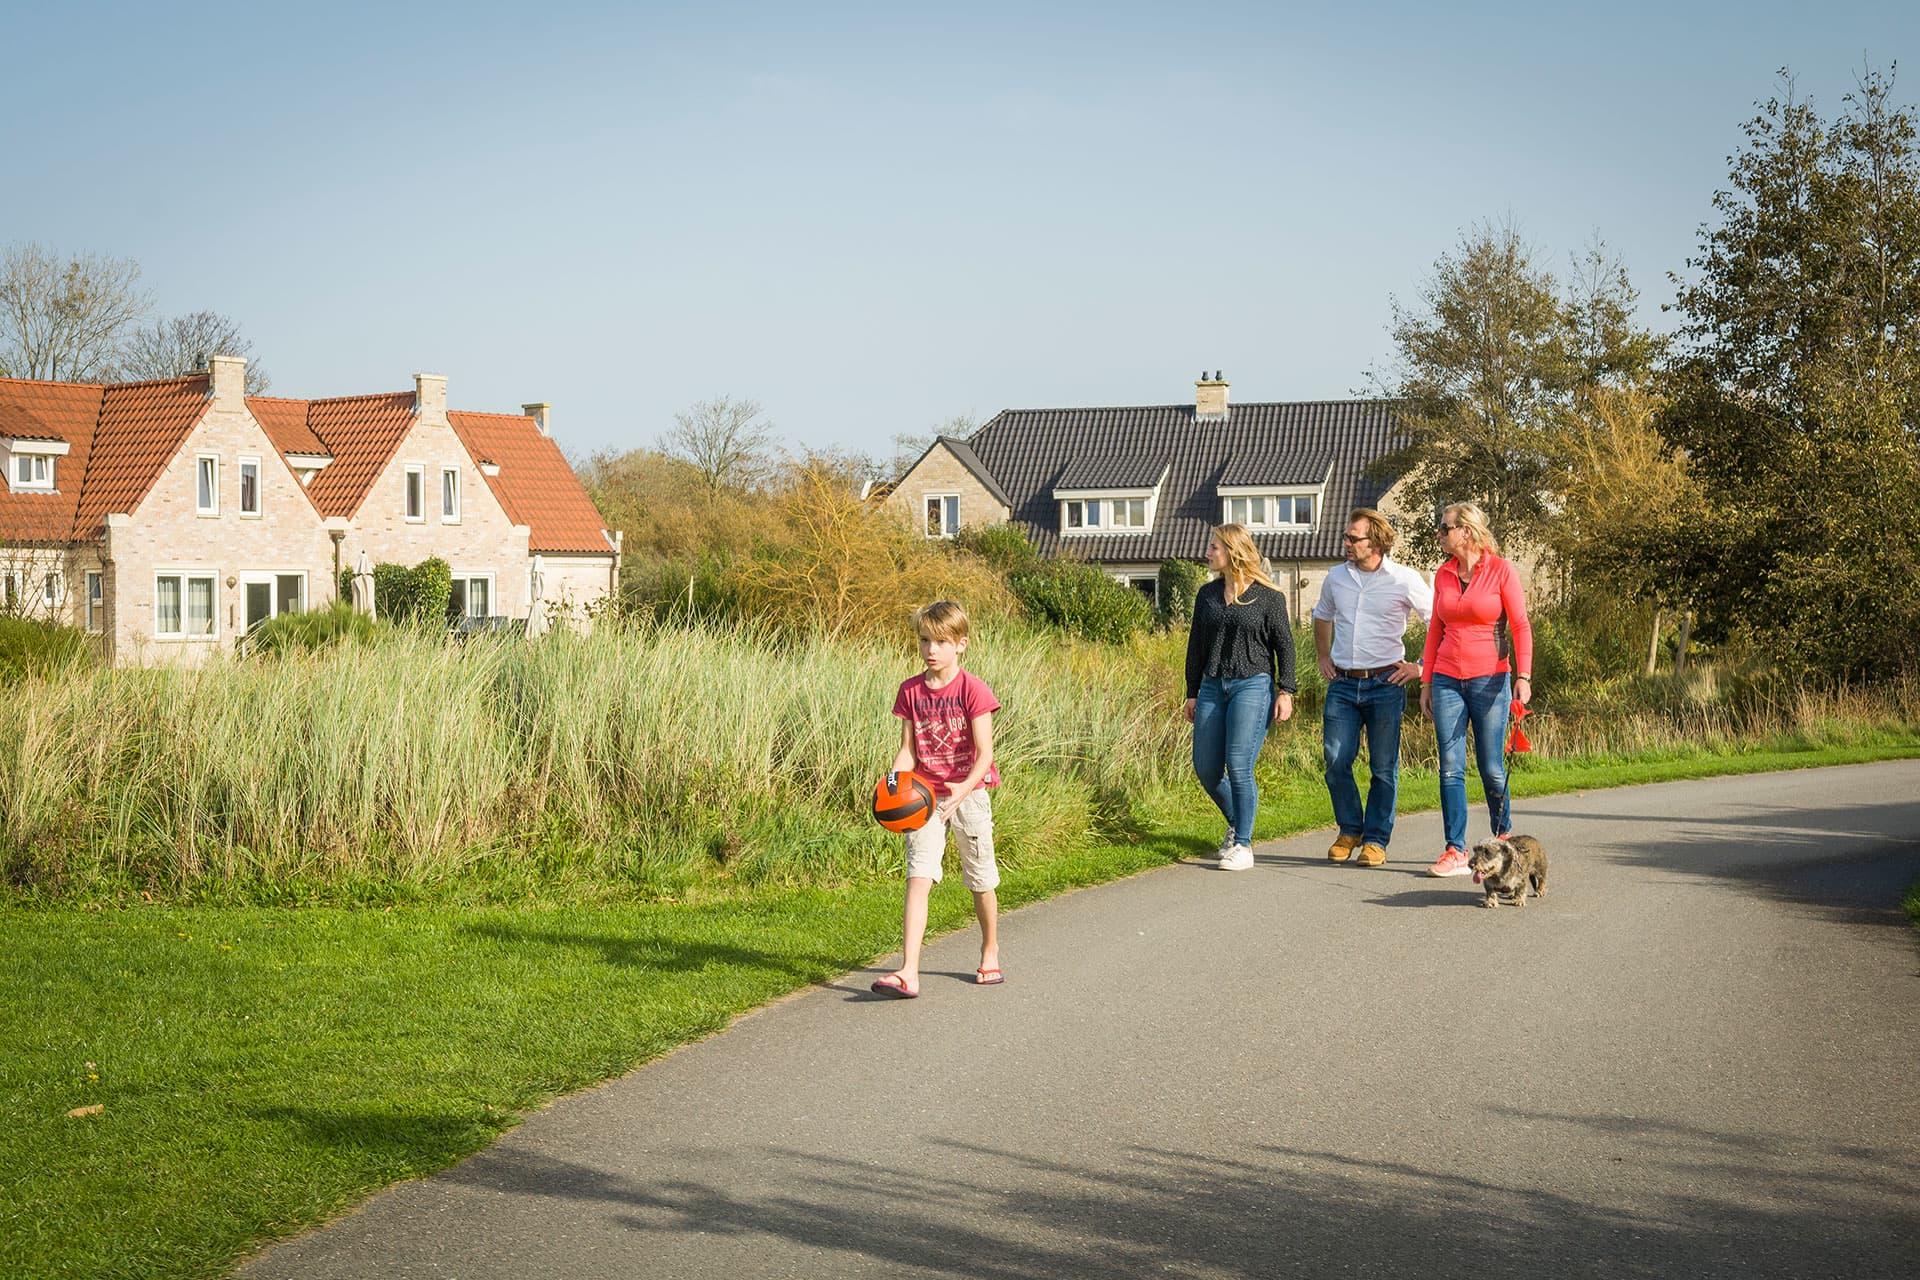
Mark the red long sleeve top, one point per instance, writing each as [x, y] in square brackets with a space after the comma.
[1461, 636]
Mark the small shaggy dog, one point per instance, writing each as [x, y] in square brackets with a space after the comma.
[1509, 868]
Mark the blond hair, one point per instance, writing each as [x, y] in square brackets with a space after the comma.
[1470, 516]
[941, 620]
[1243, 560]
[1379, 528]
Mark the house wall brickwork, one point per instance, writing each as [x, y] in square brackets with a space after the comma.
[570, 587]
[940, 472]
[165, 532]
[484, 541]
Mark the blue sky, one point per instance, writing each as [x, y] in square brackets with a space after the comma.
[873, 217]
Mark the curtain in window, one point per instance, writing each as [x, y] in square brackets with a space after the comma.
[166, 607]
[199, 606]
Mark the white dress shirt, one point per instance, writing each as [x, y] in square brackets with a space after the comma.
[1370, 611]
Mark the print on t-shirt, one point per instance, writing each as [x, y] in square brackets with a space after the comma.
[942, 721]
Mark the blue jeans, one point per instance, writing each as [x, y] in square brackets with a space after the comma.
[1230, 719]
[1482, 702]
[1374, 707]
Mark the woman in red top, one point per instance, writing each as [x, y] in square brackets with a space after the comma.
[1464, 673]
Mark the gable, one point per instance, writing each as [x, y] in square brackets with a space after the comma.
[533, 482]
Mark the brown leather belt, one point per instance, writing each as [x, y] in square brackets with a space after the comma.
[1363, 673]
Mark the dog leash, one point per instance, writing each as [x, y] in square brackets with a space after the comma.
[1516, 736]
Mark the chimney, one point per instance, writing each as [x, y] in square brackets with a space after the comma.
[541, 414]
[1210, 398]
[227, 380]
[430, 395]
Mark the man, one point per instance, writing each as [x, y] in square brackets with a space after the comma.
[1360, 634]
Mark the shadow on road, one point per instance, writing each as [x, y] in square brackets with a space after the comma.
[1786, 853]
[978, 1211]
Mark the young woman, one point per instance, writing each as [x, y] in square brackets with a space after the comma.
[1239, 681]
[1465, 673]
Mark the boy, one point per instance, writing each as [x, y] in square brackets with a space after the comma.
[946, 736]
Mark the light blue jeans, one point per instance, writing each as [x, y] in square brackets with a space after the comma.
[1482, 703]
[1230, 719]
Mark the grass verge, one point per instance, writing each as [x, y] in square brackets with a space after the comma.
[260, 1069]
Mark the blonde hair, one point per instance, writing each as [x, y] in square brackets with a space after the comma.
[941, 620]
[1379, 528]
[1474, 519]
[1243, 560]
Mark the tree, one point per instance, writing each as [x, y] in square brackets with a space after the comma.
[64, 319]
[724, 440]
[180, 345]
[1482, 375]
[1797, 393]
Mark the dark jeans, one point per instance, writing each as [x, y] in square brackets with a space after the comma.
[1373, 707]
[1481, 702]
[1230, 719]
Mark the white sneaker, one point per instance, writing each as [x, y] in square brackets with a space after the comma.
[1237, 858]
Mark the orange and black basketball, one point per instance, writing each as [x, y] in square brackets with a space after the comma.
[903, 801]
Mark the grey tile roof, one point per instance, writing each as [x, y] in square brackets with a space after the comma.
[1276, 469]
[971, 461]
[1112, 473]
[1028, 451]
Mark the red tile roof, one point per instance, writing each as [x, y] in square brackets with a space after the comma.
[119, 438]
[360, 433]
[142, 426]
[535, 485]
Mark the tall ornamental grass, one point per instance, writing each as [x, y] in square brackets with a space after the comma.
[657, 756]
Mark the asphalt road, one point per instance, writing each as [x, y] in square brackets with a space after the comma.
[1699, 1055]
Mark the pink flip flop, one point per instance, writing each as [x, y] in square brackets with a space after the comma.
[892, 985]
[988, 977]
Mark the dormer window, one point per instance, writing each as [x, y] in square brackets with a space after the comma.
[1270, 510]
[1274, 494]
[1110, 495]
[31, 465]
[32, 471]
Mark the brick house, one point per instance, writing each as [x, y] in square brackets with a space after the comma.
[1130, 488]
[170, 517]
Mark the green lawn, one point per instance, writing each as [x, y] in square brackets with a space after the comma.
[260, 1069]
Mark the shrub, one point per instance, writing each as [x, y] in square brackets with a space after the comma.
[417, 595]
[1081, 600]
[1180, 582]
[1004, 547]
[310, 631]
[31, 648]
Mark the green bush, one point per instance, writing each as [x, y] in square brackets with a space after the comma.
[1003, 546]
[1180, 582]
[1081, 600]
[310, 631]
[30, 648]
[418, 595]
[432, 589]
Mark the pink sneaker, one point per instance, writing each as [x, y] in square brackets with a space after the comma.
[1452, 863]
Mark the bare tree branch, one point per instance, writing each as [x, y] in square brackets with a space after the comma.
[181, 345]
[724, 440]
[64, 319]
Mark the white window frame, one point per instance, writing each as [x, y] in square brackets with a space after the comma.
[493, 594]
[185, 577]
[446, 493]
[413, 490]
[53, 588]
[1086, 513]
[250, 463]
[96, 609]
[34, 483]
[1270, 498]
[949, 504]
[210, 508]
[13, 589]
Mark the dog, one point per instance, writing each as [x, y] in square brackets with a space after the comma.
[1509, 868]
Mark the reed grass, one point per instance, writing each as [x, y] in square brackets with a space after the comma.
[666, 761]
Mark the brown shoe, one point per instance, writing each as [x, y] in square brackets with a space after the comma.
[1371, 855]
[1342, 848]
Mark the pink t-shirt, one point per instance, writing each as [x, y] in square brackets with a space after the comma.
[942, 721]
